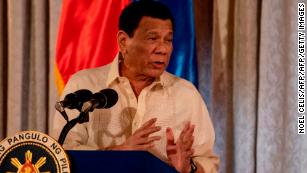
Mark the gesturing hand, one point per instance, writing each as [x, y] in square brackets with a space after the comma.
[140, 139]
[179, 153]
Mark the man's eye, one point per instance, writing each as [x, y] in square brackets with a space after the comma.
[152, 38]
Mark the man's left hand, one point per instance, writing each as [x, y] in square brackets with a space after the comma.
[180, 153]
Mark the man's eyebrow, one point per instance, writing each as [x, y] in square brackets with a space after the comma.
[156, 33]
[152, 33]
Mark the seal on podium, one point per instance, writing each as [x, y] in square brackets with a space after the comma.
[32, 152]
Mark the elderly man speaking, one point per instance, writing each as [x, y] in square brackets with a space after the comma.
[156, 111]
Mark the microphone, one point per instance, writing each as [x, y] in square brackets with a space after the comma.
[75, 100]
[60, 108]
[103, 99]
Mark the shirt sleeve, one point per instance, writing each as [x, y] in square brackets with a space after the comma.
[204, 136]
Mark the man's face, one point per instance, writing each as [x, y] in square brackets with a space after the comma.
[148, 51]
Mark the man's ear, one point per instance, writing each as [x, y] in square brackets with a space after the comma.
[122, 39]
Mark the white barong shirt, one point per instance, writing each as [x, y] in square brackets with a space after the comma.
[170, 99]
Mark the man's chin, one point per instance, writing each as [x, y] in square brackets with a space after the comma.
[155, 74]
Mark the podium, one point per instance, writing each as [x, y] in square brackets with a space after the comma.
[116, 162]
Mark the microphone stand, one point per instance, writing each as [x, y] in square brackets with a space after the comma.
[82, 118]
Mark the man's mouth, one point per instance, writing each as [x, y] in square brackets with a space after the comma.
[158, 64]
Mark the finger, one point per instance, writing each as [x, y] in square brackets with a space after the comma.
[188, 154]
[146, 132]
[171, 147]
[186, 127]
[186, 140]
[146, 125]
[189, 144]
[190, 130]
[144, 147]
[187, 136]
[148, 140]
[186, 146]
[149, 123]
[169, 137]
[170, 143]
[171, 150]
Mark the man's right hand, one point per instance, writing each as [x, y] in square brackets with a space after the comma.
[141, 139]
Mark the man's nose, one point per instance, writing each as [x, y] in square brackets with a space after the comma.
[163, 47]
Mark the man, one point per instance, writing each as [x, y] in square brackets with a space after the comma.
[156, 111]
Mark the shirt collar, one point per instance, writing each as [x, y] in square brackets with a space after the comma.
[114, 73]
[160, 80]
[114, 70]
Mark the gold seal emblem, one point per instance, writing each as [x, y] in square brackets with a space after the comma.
[32, 152]
[28, 167]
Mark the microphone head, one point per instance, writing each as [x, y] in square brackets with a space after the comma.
[70, 101]
[103, 99]
[112, 97]
[109, 95]
[75, 100]
[84, 95]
